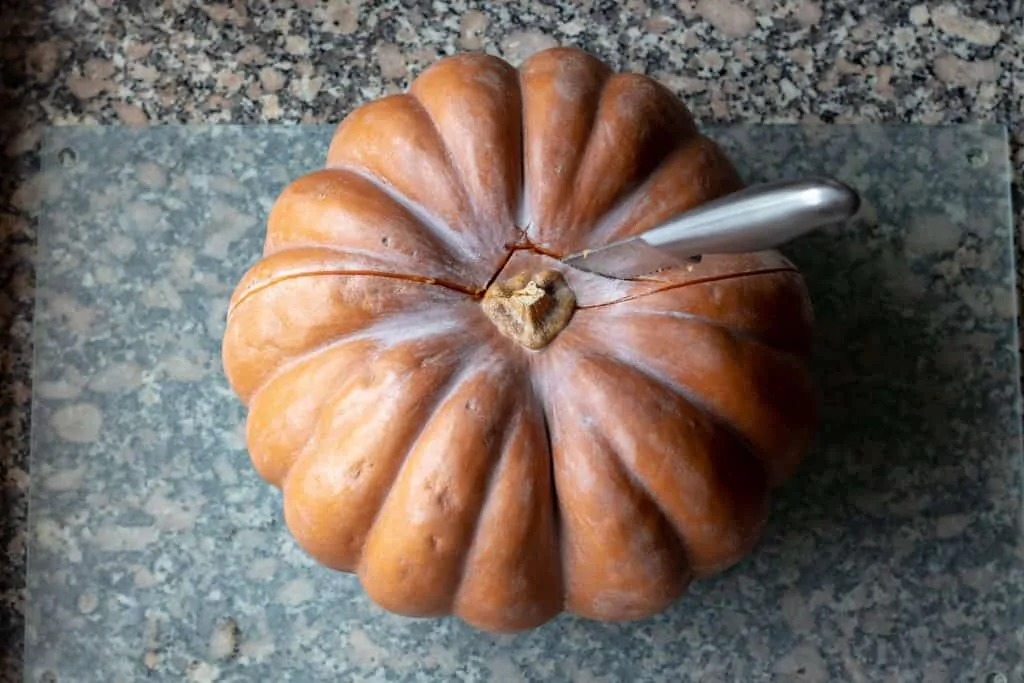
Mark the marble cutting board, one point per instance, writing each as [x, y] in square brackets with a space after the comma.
[156, 553]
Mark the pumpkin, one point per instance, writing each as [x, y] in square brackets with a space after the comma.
[474, 428]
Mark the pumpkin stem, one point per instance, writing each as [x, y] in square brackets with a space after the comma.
[531, 308]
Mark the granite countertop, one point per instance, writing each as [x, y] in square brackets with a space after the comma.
[757, 60]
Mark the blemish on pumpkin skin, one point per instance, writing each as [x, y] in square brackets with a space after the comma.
[492, 437]
[440, 496]
[357, 469]
[442, 500]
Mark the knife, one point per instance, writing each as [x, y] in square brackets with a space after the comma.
[753, 219]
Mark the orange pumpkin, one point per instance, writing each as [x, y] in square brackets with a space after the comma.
[475, 428]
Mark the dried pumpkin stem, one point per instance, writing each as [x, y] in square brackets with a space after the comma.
[531, 308]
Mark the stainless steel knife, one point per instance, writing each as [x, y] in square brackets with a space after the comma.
[753, 219]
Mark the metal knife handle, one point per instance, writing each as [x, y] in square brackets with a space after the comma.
[757, 218]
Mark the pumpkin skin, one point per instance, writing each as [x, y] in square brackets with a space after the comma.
[422, 444]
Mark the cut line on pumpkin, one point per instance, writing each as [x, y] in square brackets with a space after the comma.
[476, 293]
[479, 293]
[711, 322]
[512, 250]
[342, 272]
[688, 283]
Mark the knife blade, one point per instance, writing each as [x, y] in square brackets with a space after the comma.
[756, 218]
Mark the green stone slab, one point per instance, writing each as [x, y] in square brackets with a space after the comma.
[157, 554]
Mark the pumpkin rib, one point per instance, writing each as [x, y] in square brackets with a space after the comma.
[360, 272]
[425, 401]
[540, 396]
[508, 431]
[251, 362]
[665, 522]
[317, 425]
[539, 373]
[432, 326]
[418, 462]
[773, 309]
[776, 470]
[641, 176]
[564, 417]
[324, 358]
[513, 577]
[460, 176]
[440, 229]
[610, 226]
[339, 209]
[621, 558]
[688, 395]
[439, 398]
[474, 103]
[364, 143]
[588, 144]
[744, 449]
[688, 283]
[643, 489]
[269, 329]
[332, 397]
[566, 67]
[638, 124]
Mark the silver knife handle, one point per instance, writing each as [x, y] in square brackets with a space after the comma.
[758, 218]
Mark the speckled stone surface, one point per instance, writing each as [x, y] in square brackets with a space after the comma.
[99, 61]
[158, 554]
